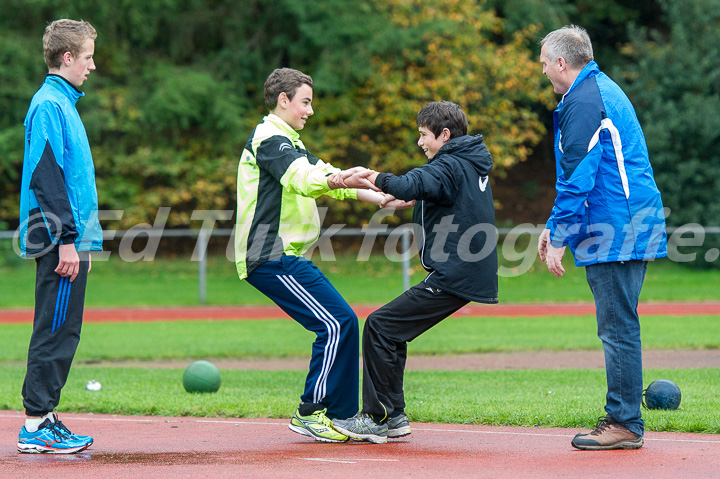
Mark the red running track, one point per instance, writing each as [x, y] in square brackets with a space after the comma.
[168, 447]
[97, 315]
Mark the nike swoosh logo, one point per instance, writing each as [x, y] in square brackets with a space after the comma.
[483, 184]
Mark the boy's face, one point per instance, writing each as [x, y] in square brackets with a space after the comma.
[76, 69]
[431, 144]
[295, 112]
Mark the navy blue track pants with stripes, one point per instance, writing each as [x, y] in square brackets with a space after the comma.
[306, 295]
[59, 306]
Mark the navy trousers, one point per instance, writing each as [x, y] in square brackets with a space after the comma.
[59, 306]
[306, 295]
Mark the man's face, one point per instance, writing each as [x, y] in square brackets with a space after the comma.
[431, 144]
[80, 66]
[295, 112]
[552, 71]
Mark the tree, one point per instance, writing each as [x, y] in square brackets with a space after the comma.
[441, 50]
[675, 86]
[179, 87]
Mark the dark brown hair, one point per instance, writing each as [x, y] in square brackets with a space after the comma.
[284, 80]
[443, 114]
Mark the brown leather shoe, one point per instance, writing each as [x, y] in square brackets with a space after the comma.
[607, 434]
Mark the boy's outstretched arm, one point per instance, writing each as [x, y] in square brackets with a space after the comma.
[383, 200]
[358, 179]
[393, 203]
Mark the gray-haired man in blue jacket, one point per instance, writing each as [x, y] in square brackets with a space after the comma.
[609, 211]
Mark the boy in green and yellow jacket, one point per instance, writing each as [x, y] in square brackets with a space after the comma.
[277, 222]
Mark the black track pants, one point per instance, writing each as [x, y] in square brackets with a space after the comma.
[59, 306]
[384, 345]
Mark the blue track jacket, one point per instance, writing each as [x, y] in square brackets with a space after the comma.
[58, 200]
[608, 207]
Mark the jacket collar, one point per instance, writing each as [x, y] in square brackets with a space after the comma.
[589, 69]
[64, 86]
[280, 123]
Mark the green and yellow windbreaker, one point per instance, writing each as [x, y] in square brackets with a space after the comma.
[278, 181]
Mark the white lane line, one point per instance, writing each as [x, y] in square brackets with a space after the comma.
[509, 433]
[325, 460]
[492, 432]
[682, 440]
[246, 423]
[345, 461]
[2, 416]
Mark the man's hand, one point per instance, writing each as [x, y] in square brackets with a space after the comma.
[543, 240]
[550, 254]
[395, 204]
[69, 264]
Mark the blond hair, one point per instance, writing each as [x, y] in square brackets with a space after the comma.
[65, 36]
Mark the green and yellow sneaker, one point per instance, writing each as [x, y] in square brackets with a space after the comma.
[317, 425]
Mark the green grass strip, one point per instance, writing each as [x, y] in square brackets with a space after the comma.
[285, 338]
[546, 398]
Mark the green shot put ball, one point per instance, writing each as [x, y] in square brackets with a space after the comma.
[201, 377]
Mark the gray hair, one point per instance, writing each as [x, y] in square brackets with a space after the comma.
[570, 42]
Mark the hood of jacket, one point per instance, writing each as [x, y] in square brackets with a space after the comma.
[466, 148]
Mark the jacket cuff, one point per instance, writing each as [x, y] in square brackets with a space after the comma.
[382, 181]
[68, 238]
[561, 234]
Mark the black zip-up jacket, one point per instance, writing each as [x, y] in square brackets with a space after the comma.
[454, 218]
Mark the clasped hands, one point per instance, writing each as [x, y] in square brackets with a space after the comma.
[363, 178]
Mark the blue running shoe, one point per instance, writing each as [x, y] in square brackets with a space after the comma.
[49, 440]
[59, 425]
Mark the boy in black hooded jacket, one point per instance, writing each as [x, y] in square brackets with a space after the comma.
[455, 219]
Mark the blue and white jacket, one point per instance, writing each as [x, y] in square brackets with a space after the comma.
[608, 207]
[58, 200]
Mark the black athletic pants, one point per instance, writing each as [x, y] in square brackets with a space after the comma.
[59, 308]
[384, 344]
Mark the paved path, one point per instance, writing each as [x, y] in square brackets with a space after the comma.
[652, 359]
[273, 312]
